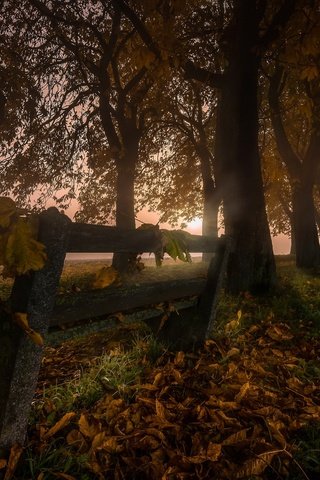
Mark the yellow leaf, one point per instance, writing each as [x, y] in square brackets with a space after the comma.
[87, 429]
[98, 440]
[105, 277]
[35, 337]
[21, 319]
[63, 422]
[23, 253]
[7, 209]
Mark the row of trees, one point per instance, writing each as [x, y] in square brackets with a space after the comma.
[125, 103]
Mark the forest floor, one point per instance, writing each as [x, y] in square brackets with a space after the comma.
[119, 405]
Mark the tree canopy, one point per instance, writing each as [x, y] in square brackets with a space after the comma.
[121, 104]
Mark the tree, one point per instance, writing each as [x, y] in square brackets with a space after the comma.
[302, 162]
[97, 78]
[242, 32]
[186, 186]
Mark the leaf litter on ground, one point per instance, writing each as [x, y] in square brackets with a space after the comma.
[232, 409]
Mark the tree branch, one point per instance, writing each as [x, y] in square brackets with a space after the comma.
[278, 21]
[286, 151]
[203, 75]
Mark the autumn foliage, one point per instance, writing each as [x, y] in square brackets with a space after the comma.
[231, 410]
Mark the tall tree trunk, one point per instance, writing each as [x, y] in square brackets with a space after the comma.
[304, 227]
[292, 238]
[252, 265]
[211, 197]
[125, 215]
[302, 173]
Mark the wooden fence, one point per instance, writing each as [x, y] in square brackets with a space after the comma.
[35, 294]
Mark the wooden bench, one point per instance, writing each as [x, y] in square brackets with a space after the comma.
[35, 294]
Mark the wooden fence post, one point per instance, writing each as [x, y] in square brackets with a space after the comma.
[209, 298]
[20, 358]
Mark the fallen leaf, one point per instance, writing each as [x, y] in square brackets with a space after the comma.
[255, 466]
[63, 422]
[235, 438]
[243, 390]
[213, 451]
[65, 476]
[105, 277]
[89, 430]
[15, 454]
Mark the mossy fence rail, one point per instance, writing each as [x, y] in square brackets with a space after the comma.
[35, 294]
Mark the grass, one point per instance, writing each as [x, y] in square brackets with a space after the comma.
[120, 372]
[117, 372]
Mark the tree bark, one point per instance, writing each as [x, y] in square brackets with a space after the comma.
[125, 215]
[211, 197]
[302, 174]
[251, 266]
[304, 227]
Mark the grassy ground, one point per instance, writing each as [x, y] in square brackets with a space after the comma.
[118, 405]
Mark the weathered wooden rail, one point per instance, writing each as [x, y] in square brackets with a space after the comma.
[35, 294]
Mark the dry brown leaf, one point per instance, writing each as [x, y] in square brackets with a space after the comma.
[255, 466]
[65, 476]
[158, 379]
[63, 422]
[3, 463]
[235, 438]
[89, 430]
[111, 445]
[243, 391]
[160, 410]
[177, 375]
[213, 451]
[232, 352]
[98, 440]
[279, 332]
[163, 321]
[75, 437]
[314, 410]
[179, 358]
[105, 277]
[15, 454]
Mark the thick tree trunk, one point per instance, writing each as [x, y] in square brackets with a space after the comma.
[251, 265]
[125, 216]
[304, 227]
